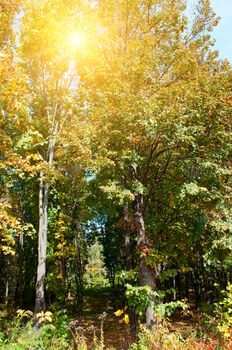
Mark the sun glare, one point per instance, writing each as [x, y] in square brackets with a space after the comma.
[76, 40]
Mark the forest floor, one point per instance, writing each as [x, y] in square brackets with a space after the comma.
[116, 333]
[99, 308]
[98, 325]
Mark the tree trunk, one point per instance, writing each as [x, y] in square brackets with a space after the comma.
[43, 222]
[78, 261]
[147, 274]
[7, 280]
[42, 244]
[129, 266]
[20, 282]
[6, 293]
[79, 272]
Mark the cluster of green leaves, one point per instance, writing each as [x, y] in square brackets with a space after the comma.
[140, 297]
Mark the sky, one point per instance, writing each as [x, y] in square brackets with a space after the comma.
[223, 32]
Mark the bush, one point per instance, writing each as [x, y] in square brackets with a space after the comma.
[158, 338]
[52, 336]
[223, 311]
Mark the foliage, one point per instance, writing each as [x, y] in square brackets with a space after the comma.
[141, 109]
[167, 309]
[44, 317]
[127, 275]
[139, 297]
[49, 336]
[159, 337]
[24, 313]
[54, 336]
[10, 228]
[123, 312]
[95, 271]
[223, 311]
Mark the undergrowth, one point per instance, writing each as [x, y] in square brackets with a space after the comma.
[57, 332]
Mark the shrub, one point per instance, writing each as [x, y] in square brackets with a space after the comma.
[52, 336]
[158, 338]
[223, 311]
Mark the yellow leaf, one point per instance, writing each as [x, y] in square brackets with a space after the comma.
[126, 319]
[118, 313]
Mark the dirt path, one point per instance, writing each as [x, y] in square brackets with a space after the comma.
[99, 322]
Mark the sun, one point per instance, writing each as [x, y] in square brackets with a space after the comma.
[76, 40]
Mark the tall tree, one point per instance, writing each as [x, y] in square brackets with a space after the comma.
[149, 77]
[53, 85]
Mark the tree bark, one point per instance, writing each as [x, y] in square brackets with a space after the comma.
[43, 222]
[7, 280]
[20, 282]
[42, 244]
[129, 266]
[147, 274]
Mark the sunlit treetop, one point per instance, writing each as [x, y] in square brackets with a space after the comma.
[76, 40]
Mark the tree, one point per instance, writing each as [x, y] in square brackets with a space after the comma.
[150, 81]
[124, 136]
[13, 165]
[53, 85]
[95, 271]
